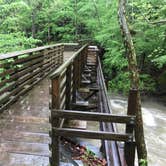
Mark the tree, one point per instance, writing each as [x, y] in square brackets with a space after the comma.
[132, 61]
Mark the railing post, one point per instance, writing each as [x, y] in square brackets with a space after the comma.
[16, 72]
[68, 86]
[54, 159]
[79, 70]
[75, 75]
[60, 54]
[55, 93]
[130, 146]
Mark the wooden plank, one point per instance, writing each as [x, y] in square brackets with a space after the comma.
[92, 116]
[22, 159]
[56, 93]
[83, 106]
[66, 64]
[24, 119]
[66, 132]
[37, 149]
[63, 82]
[116, 158]
[22, 82]
[62, 104]
[63, 93]
[4, 98]
[30, 63]
[28, 58]
[22, 92]
[6, 72]
[55, 158]
[7, 88]
[23, 136]
[22, 71]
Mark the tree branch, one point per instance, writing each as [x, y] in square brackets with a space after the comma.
[159, 22]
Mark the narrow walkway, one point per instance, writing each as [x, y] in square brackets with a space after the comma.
[24, 128]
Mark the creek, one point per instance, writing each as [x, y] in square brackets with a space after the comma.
[154, 117]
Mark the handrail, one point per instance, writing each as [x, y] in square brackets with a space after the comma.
[20, 73]
[105, 107]
[32, 50]
[67, 63]
[66, 79]
[66, 84]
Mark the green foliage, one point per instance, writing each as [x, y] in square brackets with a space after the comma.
[147, 83]
[143, 162]
[149, 41]
[15, 41]
[24, 23]
[121, 83]
[158, 57]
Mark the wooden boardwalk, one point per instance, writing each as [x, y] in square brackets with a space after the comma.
[24, 128]
[31, 128]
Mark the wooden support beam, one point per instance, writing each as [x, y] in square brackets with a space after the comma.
[83, 106]
[92, 116]
[90, 95]
[66, 132]
[88, 89]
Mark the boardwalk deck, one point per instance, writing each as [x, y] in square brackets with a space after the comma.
[76, 91]
[24, 128]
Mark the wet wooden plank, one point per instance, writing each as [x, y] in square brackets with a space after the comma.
[15, 159]
[25, 119]
[91, 116]
[24, 136]
[28, 127]
[67, 132]
[25, 148]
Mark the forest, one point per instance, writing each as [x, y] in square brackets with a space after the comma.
[27, 23]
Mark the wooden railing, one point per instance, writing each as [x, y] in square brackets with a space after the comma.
[66, 82]
[112, 147]
[19, 71]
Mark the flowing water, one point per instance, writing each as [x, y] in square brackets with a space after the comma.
[154, 117]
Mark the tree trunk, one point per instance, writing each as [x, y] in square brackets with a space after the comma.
[97, 13]
[134, 77]
[33, 24]
[76, 23]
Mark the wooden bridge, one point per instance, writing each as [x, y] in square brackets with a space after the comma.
[36, 111]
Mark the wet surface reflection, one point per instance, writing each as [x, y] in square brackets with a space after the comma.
[24, 129]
